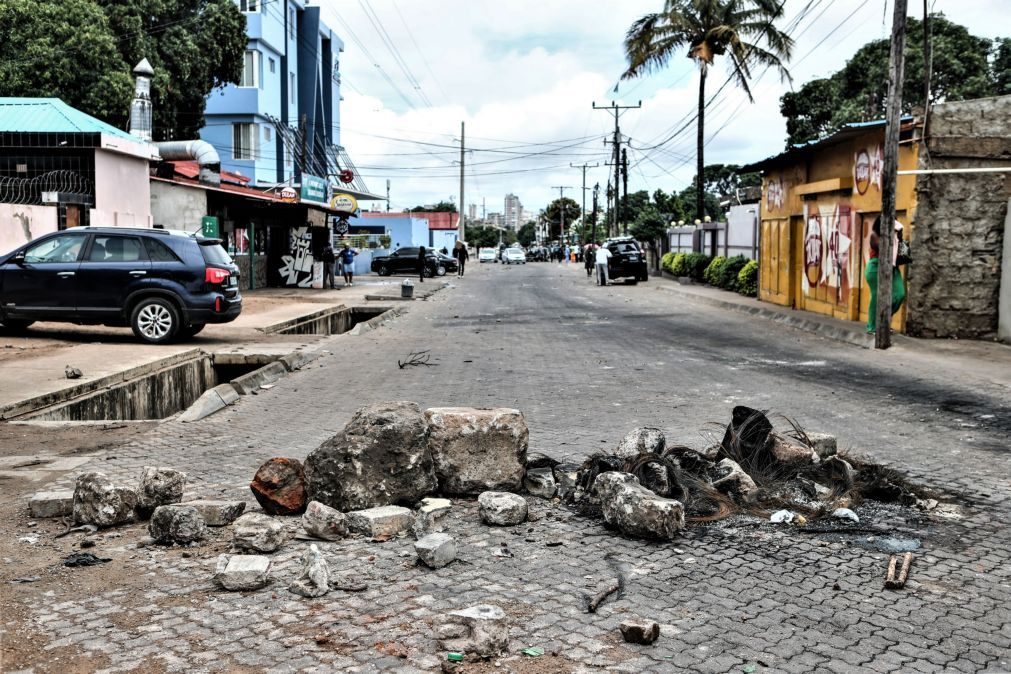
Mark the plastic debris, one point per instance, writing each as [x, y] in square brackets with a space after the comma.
[533, 651]
[749, 669]
[454, 657]
[84, 559]
[845, 514]
[782, 517]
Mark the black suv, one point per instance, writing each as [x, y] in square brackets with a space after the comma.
[166, 285]
[405, 261]
[627, 260]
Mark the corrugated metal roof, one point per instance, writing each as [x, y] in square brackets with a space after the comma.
[51, 115]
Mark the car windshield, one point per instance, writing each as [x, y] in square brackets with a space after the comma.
[57, 249]
[624, 247]
[213, 253]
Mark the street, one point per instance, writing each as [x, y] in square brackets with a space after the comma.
[585, 364]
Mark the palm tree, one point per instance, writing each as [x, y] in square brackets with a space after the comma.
[709, 28]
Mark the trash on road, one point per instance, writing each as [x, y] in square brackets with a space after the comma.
[84, 559]
[782, 517]
[845, 514]
[533, 651]
[897, 583]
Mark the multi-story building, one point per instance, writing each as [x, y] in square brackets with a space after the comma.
[513, 212]
[494, 220]
[283, 117]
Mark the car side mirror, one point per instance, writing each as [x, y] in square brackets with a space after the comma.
[19, 257]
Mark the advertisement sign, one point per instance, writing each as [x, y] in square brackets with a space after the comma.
[209, 227]
[288, 195]
[314, 189]
[344, 203]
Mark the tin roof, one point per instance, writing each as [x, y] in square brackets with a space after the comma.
[51, 115]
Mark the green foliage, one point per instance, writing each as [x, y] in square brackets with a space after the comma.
[527, 234]
[697, 263]
[959, 70]
[1001, 66]
[723, 179]
[711, 205]
[727, 278]
[482, 237]
[747, 279]
[667, 261]
[712, 273]
[385, 240]
[649, 225]
[553, 215]
[679, 265]
[441, 207]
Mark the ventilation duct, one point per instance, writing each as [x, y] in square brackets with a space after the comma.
[200, 150]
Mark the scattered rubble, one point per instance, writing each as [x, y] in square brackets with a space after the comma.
[730, 478]
[84, 559]
[436, 550]
[241, 573]
[641, 441]
[540, 482]
[98, 501]
[845, 514]
[823, 443]
[49, 504]
[566, 480]
[324, 522]
[482, 630]
[315, 578]
[177, 524]
[636, 510]
[477, 450]
[428, 519]
[893, 582]
[502, 508]
[218, 513]
[642, 632]
[383, 522]
[256, 532]
[158, 487]
[279, 486]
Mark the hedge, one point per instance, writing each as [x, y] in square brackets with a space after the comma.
[747, 279]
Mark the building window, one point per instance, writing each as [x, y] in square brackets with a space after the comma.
[251, 69]
[266, 133]
[291, 24]
[249, 5]
[273, 66]
[243, 141]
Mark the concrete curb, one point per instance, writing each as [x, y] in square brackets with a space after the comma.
[264, 375]
[212, 400]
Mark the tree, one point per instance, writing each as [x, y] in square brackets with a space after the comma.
[441, 207]
[527, 235]
[963, 66]
[709, 28]
[480, 236]
[722, 179]
[710, 205]
[554, 218]
[632, 205]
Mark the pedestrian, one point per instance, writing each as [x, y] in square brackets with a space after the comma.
[588, 259]
[328, 259]
[444, 251]
[422, 262]
[871, 274]
[348, 261]
[461, 255]
[602, 256]
[565, 254]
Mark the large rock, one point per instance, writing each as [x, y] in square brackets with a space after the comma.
[256, 532]
[241, 573]
[315, 578]
[787, 450]
[45, 504]
[380, 458]
[436, 550]
[177, 524]
[641, 440]
[218, 513]
[100, 502]
[730, 478]
[567, 480]
[324, 522]
[540, 482]
[642, 632]
[279, 486]
[824, 444]
[382, 522]
[428, 518]
[502, 508]
[481, 630]
[477, 450]
[158, 487]
[636, 510]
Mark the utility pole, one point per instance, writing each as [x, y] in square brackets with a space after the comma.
[584, 167]
[596, 192]
[896, 63]
[387, 195]
[561, 207]
[926, 65]
[615, 110]
[460, 231]
[624, 180]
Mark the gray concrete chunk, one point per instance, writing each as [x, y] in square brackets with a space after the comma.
[240, 573]
[502, 508]
[381, 522]
[46, 504]
[218, 513]
[436, 550]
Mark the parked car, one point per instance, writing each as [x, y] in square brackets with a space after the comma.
[405, 261]
[487, 255]
[514, 256]
[627, 260]
[164, 284]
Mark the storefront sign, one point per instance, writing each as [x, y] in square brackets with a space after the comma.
[209, 227]
[313, 189]
[288, 195]
[344, 203]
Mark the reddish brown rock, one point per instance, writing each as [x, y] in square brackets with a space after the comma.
[279, 487]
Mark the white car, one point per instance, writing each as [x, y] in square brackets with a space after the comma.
[487, 255]
[514, 256]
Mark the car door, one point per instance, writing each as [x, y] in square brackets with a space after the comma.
[406, 261]
[113, 266]
[43, 284]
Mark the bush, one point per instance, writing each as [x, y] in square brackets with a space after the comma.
[679, 265]
[697, 263]
[727, 278]
[747, 279]
[712, 273]
[666, 260]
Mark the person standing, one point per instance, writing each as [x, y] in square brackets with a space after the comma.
[348, 262]
[565, 254]
[422, 261]
[602, 256]
[589, 259]
[328, 260]
[461, 255]
[871, 274]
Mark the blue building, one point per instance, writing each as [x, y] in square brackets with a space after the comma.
[283, 118]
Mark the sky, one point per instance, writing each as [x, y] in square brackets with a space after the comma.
[523, 76]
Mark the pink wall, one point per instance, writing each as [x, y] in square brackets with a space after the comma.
[24, 223]
[122, 191]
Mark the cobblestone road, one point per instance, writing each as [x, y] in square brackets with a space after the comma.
[585, 364]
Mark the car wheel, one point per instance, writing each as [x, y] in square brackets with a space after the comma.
[14, 326]
[155, 320]
[383, 270]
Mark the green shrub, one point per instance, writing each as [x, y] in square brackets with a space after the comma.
[679, 265]
[712, 273]
[727, 278]
[747, 279]
[666, 260]
[697, 263]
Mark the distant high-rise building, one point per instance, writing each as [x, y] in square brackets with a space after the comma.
[495, 219]
[513, 212]
[472, 212]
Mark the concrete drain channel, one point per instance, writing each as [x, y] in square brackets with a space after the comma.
[198, 382]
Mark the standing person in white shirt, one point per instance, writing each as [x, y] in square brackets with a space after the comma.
[602, 256]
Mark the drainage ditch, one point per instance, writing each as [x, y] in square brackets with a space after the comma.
[331, 321]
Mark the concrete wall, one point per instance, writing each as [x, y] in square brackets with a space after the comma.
[175, 206]
[443, 238]
[21, 224]
[122, 191]
[742, 231]
[954, 281]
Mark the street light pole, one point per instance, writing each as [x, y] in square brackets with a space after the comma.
[460, 231]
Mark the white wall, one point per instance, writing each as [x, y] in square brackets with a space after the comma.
[21, 224]
[122, 191]
[177, 206]
[443, 238]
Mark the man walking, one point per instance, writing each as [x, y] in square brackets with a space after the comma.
[461, 255]
[602, 256]
[328, 259]
[348, 261]
[422, 261]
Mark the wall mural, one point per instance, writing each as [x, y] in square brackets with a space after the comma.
[775, 194]
[297, 267]
[828, 241]
[868, 164]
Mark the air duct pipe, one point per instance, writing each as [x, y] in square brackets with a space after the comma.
[203, 152]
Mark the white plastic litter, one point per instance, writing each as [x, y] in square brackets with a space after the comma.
[782, 516]
[845, 514]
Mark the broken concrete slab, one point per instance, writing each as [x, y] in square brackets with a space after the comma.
[477, 450]
[252, 381]
[279, 486]
[824, 444]
[381, 522]
[730, 478]
[242, 573]
[324, 522]
[789, 450]
[315, 578]
[502, 508]
[211, 401]
[218, 513]
[642, 632]
[635, 510]
[481, 630]
[540, 482]
[436, 550]
[381, 457]
[171, 524]
[566, 480]
[47, 504]
[158, 487]
[640, 441]
[256, 532]
[296, 360]
[428, 518]
[99, 501]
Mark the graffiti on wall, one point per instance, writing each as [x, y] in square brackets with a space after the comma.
[868, 164]
[775, 194]
[296, 267]
[828, 242]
